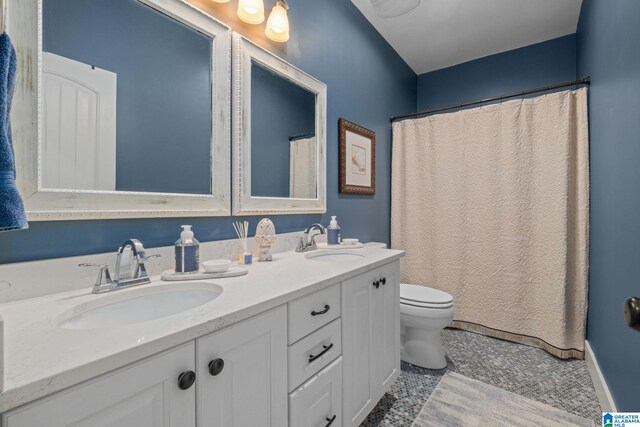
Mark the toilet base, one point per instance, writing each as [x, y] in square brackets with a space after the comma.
[423, 348]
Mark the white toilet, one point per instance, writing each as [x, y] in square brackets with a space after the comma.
[424, 312]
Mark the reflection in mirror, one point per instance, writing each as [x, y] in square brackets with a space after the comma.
[126, 100]
[283, 137]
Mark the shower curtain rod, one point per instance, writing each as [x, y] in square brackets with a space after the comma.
[584, 81]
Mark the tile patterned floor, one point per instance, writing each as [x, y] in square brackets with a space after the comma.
[524, 370]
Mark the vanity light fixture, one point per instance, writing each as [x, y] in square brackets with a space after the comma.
[221, 1]
[278, 23]
[251, 11]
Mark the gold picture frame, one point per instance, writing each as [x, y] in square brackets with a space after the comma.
[357, 158]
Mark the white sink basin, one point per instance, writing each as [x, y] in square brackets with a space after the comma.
[137, 305]
[330, 256]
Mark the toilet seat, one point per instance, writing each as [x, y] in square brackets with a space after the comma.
[424, 297]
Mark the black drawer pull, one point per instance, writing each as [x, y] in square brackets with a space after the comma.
[326, 348]
[376, 284]
[331, 420]
[318, 313]
[383, 280]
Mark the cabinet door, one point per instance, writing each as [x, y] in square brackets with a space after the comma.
[357, 312]
[318, 402]
[385, 331]
[370, 340]
[250, 389]
[145, 394]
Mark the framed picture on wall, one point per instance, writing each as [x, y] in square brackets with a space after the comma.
[357, 158]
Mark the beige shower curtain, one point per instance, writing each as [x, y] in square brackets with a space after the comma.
[491, 205]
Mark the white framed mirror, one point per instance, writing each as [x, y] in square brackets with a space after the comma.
[279, 135]
[115, 102]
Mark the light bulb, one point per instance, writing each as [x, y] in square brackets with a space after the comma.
[251, 11]
[278, 23]
[221, 1]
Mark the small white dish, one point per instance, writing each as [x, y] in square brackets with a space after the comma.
[216, 265]
[349, 242]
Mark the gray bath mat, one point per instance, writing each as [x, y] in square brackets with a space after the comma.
[462, 401]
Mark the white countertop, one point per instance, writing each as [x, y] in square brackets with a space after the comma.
[42, 358]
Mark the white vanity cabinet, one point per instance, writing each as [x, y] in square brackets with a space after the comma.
[323, 359]
[370, 339]
[145, 394]
[242, 373]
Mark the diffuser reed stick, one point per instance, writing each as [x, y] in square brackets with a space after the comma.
[242, 230]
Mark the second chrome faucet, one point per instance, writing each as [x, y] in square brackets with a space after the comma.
[308, 241]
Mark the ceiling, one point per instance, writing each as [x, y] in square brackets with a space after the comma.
[442, 33]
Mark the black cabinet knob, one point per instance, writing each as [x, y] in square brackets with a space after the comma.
[186, 380]
[383, 280]
[216, 366]
[632, 312]
[376, 284]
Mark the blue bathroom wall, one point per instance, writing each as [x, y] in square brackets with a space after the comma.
[608, 49]
[280, 110]
[529, 67]
[163, 72]
[367, 82]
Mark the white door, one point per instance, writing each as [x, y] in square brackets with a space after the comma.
[357, 306]
[370, 339]
[385, 330]
[302, 168]
[318, 402]
[242, 373]
[78, 125]
[146, 394]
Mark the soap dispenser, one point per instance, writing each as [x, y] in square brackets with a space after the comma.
[333, 232]
[187, 252]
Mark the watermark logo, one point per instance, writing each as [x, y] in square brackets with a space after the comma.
[621, 419]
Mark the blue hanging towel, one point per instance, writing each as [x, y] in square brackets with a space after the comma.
[12, 215]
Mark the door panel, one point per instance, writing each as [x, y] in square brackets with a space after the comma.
[141, 395]
[370, 340]
[386, 332]
[356, 348]
[251, 389]
[79, 125]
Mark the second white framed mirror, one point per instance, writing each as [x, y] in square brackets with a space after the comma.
[279, 135]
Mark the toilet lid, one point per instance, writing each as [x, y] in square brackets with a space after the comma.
[423, 296]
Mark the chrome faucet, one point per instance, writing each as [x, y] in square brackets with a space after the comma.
[123, 277]
[308, 241]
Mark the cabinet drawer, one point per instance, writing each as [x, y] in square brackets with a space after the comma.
[318, 402]
[310, 354]
[310, 312]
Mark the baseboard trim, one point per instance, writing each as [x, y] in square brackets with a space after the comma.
[602, 390]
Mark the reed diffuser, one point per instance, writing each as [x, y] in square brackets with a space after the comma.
[242, 230]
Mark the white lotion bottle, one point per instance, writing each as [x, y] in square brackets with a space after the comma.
[333, 232]
[187, 252]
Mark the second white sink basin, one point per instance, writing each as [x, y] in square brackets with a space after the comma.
[331, 256]
[125, 307]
